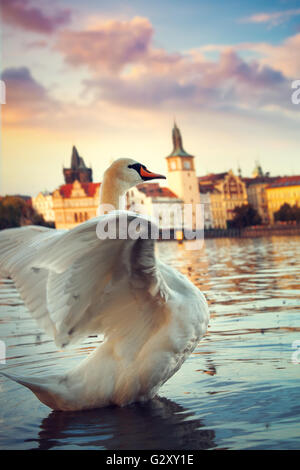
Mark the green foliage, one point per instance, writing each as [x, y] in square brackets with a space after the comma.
[15, 212]
[244, 216]
[287, 213]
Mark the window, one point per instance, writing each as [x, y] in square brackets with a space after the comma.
[173, 165]
[186, 165]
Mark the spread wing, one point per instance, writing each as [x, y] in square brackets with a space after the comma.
[75, 283]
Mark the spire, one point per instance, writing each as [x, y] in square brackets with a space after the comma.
[75, 159]
[178, 149]
[257, 172]
[177, 140]
[81, 163]
[78, 170]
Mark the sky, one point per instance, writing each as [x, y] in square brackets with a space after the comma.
[111, 77]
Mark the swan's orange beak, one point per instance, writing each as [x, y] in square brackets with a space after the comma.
[148, 175]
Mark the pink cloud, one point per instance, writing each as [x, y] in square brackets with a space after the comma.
[273, 18]
[109, 47]
[191, 83]
[24, 14]
[284, 57]
[22, 86]
[37, 44]
[127, 69]
[27, 101]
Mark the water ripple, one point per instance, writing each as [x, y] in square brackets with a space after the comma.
[238, 390]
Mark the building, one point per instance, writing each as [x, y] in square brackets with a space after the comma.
[78, 199]
[219, 192]
[226, 191]
[256, 191]
[282, 190]
[78, 171]
[74, 203]
[158, 202]
[182, 179]
[43, 204]
[206, 197]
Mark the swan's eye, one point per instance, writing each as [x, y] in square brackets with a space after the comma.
[136, 167]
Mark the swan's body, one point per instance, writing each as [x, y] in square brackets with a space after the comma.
[76, 284]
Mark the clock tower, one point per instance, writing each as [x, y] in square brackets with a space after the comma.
[182, 179]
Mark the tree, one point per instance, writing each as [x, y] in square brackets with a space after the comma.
[244, 216]
[15, 212]
[287, 213]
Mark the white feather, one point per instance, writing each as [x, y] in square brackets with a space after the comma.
[75, 284]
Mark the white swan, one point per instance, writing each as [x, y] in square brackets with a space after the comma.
[75, 284]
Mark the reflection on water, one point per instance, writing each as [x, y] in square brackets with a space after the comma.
[144, 426]
[238, 390]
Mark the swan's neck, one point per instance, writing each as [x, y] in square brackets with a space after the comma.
[112, 193]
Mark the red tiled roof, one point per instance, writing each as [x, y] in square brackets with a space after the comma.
[147, 186]
[285, 181]
[212, 177]
[66, 189]
[154, 190]
[89, 189]
[166, 192]
[207, 188]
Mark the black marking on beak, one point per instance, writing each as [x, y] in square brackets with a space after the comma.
[145, 174]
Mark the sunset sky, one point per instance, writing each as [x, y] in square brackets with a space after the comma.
[110, 77]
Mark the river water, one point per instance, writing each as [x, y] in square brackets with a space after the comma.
[240, 389]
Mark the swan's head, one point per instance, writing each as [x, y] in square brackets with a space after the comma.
[129, 172]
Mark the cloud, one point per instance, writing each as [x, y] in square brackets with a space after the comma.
[24, 14]
[191, 85]
[109, 47]
[273, 19]
[36, 44]
[27, 101]
[127, 69]
[191, 81]
[283, 57]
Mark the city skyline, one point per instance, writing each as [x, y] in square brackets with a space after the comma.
[110, 79]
